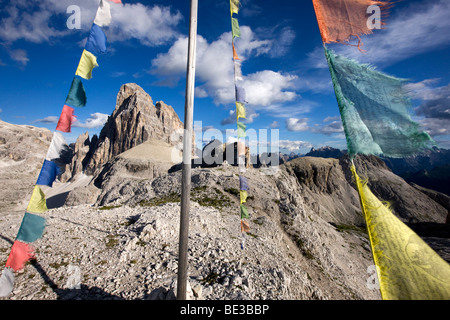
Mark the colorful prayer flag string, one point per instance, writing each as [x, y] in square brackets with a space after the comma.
[241, 126]
[33, 225]
[375, 114]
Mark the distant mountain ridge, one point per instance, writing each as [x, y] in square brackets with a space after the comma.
[429, 169]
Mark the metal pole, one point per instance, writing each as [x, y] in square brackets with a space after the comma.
[187, 149]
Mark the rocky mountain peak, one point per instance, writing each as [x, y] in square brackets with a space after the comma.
[135, 119]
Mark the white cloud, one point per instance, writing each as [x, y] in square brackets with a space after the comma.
[293, 145]
[94, 121]
[297, 125]
[215, 70]
[328, 119]
[151, 25]
[435, 106]
[274, 125]
[268, 87]
[330, 128]
[19, 56]
[49, 119]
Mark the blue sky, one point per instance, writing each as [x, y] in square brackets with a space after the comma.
[285, 73]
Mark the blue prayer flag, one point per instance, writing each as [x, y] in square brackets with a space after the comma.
[48, 173]
[96, 43]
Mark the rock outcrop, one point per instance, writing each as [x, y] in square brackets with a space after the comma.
[134, 120]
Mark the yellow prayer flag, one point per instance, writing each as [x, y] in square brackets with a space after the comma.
[234, 6]
[37, 202]
[87, 62]
[240, 110]
[407, 268]
[243, 196]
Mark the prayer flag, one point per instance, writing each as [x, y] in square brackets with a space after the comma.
[244, 212]
[37, 202]
[243, 196]
[244, 226]
[20, 253]
[65, 119]
[234, 6]
[407, 267]
[96, 42]
[243, 183]
[240, 94]
[31, 229]
[241, 129]
[76, 96]
[57, 146]
[343, 20]
[235, 31]
[87, 63]
[116, 1]
[48, 173]
[240, 110]
[374, 110]
[241, 148]
[6, 282]
[103, 16]
[235, 56]
[237, 71]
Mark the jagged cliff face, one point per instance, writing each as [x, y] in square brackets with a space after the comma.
[134, 120]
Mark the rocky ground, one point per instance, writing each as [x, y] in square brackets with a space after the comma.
[130, 251]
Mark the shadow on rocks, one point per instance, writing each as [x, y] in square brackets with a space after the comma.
[83, 293]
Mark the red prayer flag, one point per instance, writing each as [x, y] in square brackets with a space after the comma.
[20, 253]
[116, 1]
[66, 119]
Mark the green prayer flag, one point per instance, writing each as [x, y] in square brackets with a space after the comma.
[244, 212]
[77, 95]
[236, 32]
[374, 109]
[241, 129]
[32, 228]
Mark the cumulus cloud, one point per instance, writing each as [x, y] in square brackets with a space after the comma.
[151, 25]
[214, 70]
[94, 121]
[297, 125]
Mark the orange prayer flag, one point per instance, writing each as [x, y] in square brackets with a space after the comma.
[235, 56]
[245, 226]
[20, 253]
[341, 21]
